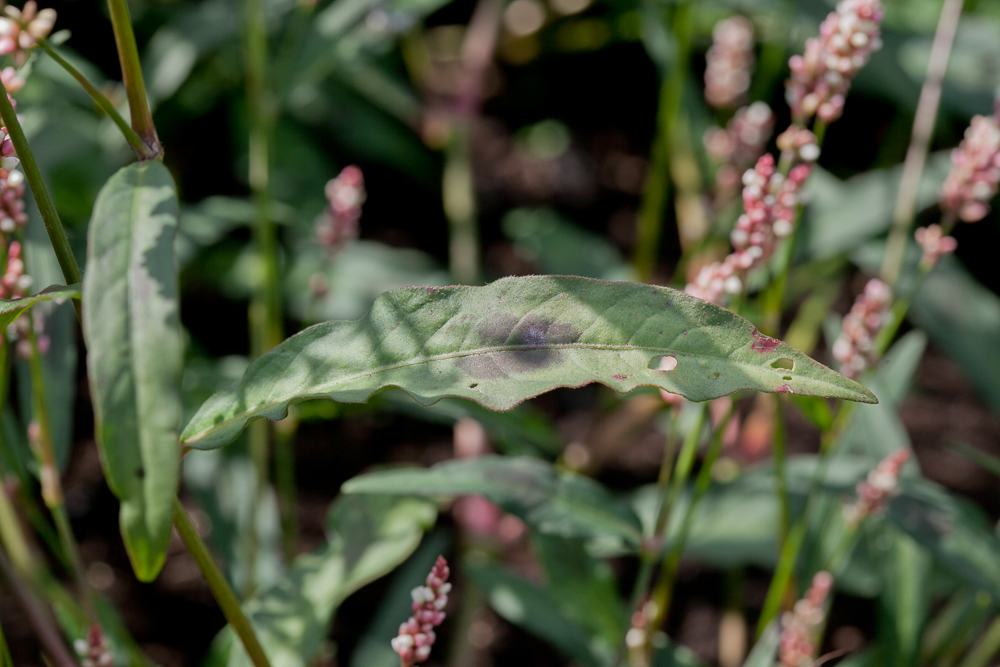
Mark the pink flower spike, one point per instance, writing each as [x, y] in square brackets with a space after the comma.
[854, 349]
[339, 222]
[800, 627]
[934, 244]
[416, 636]
[877, 487]
[730, 61]
[975, 171]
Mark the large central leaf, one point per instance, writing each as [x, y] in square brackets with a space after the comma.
[514, 339]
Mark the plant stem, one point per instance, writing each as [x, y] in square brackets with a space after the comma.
[266, 320]
[38, 617]
[780, 472]
[920, 139]
[46, 205]
[135, 88]
[663, 592]
[284, 480]
[134, 140]
[5, 659]
[52, 492]
[221, 590]
[459, 198]
[654, 197]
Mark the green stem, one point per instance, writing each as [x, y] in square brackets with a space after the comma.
[654, 197]
[663, 592]
[134, 140]
[46, 205]
[459, 198]
[221, 590]
[52, 492]
[5, 659]
[135, 88]
[920, 139]
[284, 480]
[780, 470]
[38, 617]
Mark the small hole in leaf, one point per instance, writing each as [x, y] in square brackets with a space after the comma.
[663, 363]
[787, 377]
[715, 375]
[473, 385]
[784, 362]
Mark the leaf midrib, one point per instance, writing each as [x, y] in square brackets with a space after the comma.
[322, 389]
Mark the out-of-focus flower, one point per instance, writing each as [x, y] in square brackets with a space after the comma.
[730, 62]
[12, 213]
[12, 83]
[14, 282]
[800, 627]
[975, 171]
[934, 244]
[739, 145]
[877, 487]
[715, 280]
[798, 144]
[8, 155]
[822, 75]
[94, 651]
[21, 29]
[21, 329]
[854, 348]
[416, 636]
[339, 222]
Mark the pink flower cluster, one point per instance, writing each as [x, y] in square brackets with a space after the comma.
[800, 627]
[739, 145]
[11, 83]
[94, 651]
[339, 222]
[822, 76]
[934, 244]
[14, 282]
[854, 348]
[975, 171]
[877, 487]
[8, 156]
[416, 635]
[798, 144]
[21, 29]
[730, 60]
[12, 213]
[769, 204]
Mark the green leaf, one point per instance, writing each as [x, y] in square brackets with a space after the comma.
[369, 537]
[11, 309]
[533, 608]
[514, 339]
[556, 504]
[986, 461]
[765, 651]
[135, 353]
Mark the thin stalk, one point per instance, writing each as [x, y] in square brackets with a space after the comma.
[284, 481]
[920, 139]
[986, 648]
[221, 590]
[266, 321]
[789, 554]
[654, 197]
[52, 492]
[134, 140]
[458, 195]
[38, 617]
[664, 589]
[780, 470]
[5, 659]
[135, 88]
[46, 205]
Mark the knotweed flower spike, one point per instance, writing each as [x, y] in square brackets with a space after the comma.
[14, 282]
[822, 75]
[21, 29]
[416, 635]
[854, 348]
[797, 144]
[800, 627]
[738, 146]
[94, 650]
[975, 171]
[730, 62]
[8, 156]
[11, 83]
[874, 490]
[934, 244]
[339, 222]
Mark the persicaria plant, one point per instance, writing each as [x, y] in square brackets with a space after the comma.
[402, 334]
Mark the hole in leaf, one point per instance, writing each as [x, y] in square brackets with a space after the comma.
[784, 362]
[663, 363]
[473, 385]
[715, 375]
[787, 377]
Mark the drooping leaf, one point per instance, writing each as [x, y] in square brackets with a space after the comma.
[514, 339]
[11, 309]
[135, 353]
[369, 537]
[535, 609]
[558, 504]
